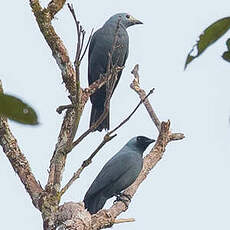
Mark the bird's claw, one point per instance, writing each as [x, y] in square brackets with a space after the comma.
[121, 197]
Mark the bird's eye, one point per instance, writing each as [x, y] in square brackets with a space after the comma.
[127, 16]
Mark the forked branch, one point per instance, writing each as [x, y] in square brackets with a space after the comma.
[135, 85]
[107, 217]
[106, 139]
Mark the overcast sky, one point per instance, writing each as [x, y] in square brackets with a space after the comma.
[189, 188]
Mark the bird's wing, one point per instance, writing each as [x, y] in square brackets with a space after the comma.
[119, 74]
[126, 55]
[98, 55]
[112, 170]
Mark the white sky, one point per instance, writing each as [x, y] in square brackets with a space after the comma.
[189, 188]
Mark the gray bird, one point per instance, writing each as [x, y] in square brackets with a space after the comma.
[99, 49]
[117, 174]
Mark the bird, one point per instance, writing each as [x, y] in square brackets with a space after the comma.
[117, 174]
[98, 56]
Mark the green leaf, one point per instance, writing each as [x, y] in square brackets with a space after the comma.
[209, 36]
[17, 110]
[226, 56]
[228, 44]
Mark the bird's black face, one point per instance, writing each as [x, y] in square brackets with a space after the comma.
[143, 142]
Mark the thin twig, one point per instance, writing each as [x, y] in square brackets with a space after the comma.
[85, 163]
[79, 32]
[106, 139]
[101, 118]
[88, 42]
[119, 221]
[94, 126]
[111, 83]
[87, 92]
[135, 109]
[115, 39]
[135, 86]
[176, 136]
[113, 70]
[82, 43]
[71, 121]
[106, 218]
[63, 107]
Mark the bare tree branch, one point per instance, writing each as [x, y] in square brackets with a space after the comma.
[165, 136]
[55, 5]
[97, 85]
[18, 161]
[105, 218]
[114, 73]
[79, 33]
[85, 163]
[113, 70]
[63, 107]
[176, 136]
[87, 45]
[106, 139]
[47, 201]
[87, 92]
[122, 220]
[72, 116]
[68, 130]
[59, 52]
[131, 114]
[135, 86]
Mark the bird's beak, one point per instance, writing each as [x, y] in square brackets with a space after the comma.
[149, 141]
[134, 20]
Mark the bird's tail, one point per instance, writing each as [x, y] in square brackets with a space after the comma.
[96, 112]
[95, 203]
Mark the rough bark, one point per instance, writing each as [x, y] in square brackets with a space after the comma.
[18, 160]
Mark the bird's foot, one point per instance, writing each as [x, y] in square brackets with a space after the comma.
[125, 195]
[123, 198]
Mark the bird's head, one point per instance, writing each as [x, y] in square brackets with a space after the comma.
[140, 143]
[125, 19]
[143, 142]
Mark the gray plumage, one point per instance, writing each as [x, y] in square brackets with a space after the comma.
[117, 174]
[99, 49]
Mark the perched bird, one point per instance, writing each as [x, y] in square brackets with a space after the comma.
[99, 49]
[117, 174]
